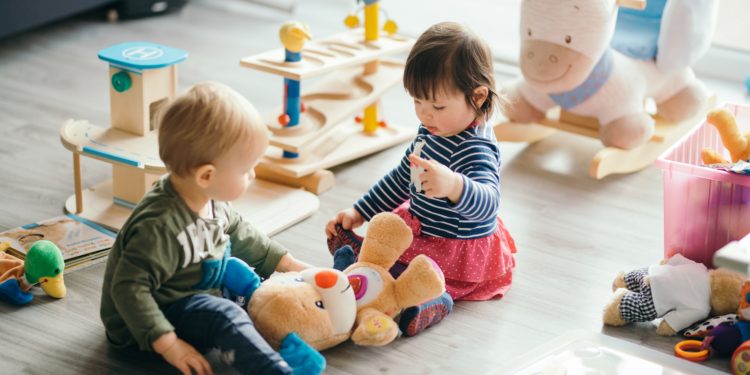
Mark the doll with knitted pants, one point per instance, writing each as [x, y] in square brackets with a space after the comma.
[446, 187]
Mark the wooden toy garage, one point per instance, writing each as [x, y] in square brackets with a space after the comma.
[143, 77]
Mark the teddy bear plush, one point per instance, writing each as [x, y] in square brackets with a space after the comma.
[379, 296]
[678, 290]
[325, 307]
[737, 143]
[567, 61]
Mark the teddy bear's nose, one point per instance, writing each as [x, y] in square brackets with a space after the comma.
[326, 279]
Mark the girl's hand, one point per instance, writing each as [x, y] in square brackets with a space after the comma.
[348, 218]
[438, 181]
[181, 355]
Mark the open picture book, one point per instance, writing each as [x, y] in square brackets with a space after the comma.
[80, 241]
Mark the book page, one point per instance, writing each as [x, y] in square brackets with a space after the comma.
[72, 235]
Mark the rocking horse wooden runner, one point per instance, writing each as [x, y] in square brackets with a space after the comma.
[609, 160]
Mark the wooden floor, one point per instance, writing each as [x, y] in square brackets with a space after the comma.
[574, 234]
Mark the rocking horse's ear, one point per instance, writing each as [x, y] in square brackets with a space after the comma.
[633, 4]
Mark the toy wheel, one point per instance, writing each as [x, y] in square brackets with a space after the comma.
[358, 119]
[692, 350]
[121, 81]
[284, 120]
[741, 359]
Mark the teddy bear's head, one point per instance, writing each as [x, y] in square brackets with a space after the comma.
[562, 41]
[725, 291]
[317, 303]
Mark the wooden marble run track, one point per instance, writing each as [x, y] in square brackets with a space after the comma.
[269, 206]
[327, 55]
[609, 160]
[327, 134]
[330, 102]
[349, 142]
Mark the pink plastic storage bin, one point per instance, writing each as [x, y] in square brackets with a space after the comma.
[704, 208]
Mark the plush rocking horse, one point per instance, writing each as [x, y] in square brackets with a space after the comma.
[589, 69]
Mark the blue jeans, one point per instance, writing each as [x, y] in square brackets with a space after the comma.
[206, 322]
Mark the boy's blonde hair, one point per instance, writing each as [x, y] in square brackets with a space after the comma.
[203, 124]
[446, 56]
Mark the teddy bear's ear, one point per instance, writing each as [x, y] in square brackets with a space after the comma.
[727, 291]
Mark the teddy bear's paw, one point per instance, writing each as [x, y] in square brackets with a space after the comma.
[619, 281]
[664, 329]
[377, 330]
[611, 315]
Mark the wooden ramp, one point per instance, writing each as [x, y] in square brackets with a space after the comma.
[327, 55]
[331, 103]
[347, 143]
[610, 160]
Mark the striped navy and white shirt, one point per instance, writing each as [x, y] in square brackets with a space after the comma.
[475, 155]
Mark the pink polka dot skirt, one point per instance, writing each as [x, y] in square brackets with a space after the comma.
[475, 269]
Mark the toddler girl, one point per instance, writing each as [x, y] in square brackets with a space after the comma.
[447, 186]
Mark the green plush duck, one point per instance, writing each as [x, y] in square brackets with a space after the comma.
[43, 266]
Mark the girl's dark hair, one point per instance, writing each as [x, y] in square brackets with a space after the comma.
[448, 56]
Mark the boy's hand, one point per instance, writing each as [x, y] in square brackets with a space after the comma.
[288, 263]
[181, 355]
[348, 218]
[438, 181]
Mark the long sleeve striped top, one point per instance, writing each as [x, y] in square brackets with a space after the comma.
[472, 153]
